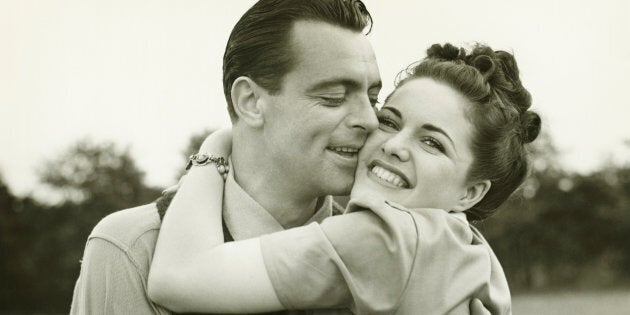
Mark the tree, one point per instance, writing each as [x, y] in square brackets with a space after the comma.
[47, 242]
[102, 172]
[8, 242]
[563, 229]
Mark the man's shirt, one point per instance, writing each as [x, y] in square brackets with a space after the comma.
[119, 251]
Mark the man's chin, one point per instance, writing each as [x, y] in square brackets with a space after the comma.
[342, 185]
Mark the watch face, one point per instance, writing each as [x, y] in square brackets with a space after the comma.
[201, 158]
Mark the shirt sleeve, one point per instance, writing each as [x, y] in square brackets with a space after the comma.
[360, 260]
[110, 283]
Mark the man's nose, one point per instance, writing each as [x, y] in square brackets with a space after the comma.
[364, 116]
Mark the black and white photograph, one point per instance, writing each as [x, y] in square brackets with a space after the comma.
[314, 157]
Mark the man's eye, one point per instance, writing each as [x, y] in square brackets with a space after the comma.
[333, 101]
[374, 101]
[432, 142]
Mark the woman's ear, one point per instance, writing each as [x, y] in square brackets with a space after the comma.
[474, 193]
[246, 100]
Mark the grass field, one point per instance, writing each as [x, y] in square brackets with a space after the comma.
[574, 303]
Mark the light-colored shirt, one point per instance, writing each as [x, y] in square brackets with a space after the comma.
[381, 258]
[118, 253]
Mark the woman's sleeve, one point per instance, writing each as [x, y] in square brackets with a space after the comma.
[360, 260]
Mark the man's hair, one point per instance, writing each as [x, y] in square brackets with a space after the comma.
[259, 45]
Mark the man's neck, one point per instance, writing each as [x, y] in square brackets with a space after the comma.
[284, 205]
[289, 205]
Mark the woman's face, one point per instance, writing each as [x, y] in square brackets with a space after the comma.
[420, 154]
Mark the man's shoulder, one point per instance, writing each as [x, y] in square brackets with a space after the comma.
[125, 227]
[115, 265]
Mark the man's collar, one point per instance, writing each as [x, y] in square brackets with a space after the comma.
[245, 218]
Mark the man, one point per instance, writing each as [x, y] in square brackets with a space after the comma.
[301, 82]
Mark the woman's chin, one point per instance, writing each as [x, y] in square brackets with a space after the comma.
[365, 188]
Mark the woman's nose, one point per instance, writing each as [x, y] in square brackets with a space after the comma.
[397, 146]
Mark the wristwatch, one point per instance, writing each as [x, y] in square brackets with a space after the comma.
[202, 159]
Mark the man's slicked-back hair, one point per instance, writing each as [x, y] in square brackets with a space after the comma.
[259, 45]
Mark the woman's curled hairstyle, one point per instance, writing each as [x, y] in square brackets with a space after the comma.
[499, 113]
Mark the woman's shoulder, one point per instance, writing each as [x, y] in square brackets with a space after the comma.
[436, 225]
[378, 209]
[370, 223]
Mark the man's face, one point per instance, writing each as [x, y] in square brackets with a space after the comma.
[315, 126]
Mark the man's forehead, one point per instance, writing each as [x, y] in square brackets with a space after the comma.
[324, 40]
[330, 54]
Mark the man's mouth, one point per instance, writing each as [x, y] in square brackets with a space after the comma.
[389, 176]
[344, 151]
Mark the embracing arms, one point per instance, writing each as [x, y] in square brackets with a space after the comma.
[187, 260]
[193, 271]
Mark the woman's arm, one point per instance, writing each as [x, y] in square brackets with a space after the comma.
[332, 265]
[192, 227]
[311, 267]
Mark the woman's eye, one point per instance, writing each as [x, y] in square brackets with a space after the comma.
[387, 123]
[433, 143]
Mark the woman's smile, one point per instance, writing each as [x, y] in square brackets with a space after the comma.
[388, 175]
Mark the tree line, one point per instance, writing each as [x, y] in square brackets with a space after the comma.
[560, 230]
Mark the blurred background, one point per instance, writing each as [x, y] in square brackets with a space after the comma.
[102, 101]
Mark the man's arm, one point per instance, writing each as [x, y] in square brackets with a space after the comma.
[110, 283]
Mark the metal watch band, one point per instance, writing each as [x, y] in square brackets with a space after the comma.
[202, 159]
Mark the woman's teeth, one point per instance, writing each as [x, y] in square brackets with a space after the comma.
[389, 177]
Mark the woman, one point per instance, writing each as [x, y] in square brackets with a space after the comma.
[450, 146]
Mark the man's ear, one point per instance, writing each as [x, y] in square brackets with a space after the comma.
[247, 102]
[474, 193]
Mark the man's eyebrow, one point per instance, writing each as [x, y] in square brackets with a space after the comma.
[336, 82]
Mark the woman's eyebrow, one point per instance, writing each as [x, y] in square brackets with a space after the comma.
[393, 110]
[435, 128]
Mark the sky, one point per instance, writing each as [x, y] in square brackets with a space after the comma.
[146, 74]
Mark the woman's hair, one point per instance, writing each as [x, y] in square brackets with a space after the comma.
[502, 123]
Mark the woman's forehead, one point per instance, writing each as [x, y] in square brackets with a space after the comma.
[427, 98]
